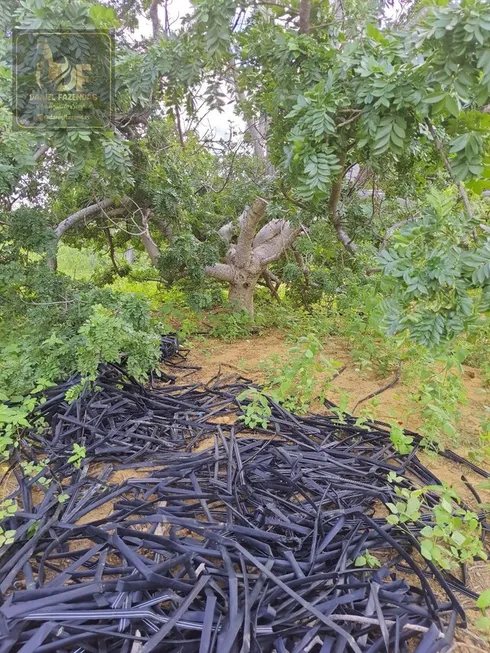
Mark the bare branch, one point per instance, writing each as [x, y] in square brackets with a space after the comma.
[357, 113]
[389, 232]
[266, 275]
[298, 257]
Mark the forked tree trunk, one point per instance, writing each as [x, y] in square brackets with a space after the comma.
[253, 252]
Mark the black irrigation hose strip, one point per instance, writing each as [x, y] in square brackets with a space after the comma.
[185, 531]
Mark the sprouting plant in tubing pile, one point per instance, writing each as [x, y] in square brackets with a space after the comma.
[256, 408]
[299, 379]
[78, 455]
[8, 508]
[454, 538]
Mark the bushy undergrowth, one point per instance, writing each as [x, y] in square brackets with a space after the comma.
[70, 328]
[62, 326]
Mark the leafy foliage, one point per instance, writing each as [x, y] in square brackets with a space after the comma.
[256, 409]
[455, 537]
[439, 274]
[401, 442]
[299, 379]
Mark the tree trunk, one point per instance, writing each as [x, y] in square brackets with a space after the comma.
[304, 16]
[333, 210]
[254, 251]
[241, 294]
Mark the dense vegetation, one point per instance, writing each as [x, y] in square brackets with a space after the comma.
[352, 202]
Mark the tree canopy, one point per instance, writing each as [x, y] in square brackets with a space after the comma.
[364, 147]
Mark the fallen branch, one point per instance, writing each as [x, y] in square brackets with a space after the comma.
[389, 385]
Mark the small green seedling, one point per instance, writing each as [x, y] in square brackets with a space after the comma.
[341, 409]
[483, 602]
[257, 410]
[408, 509]
[394, 478]
[6, 537]
[32, 468]
[8, 508]
[367, 560]
[78, 455]
[401, 442]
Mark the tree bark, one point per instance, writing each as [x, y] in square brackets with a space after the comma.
[148, 243]
[241, 294]
[155, 20]
[333, 211]
[304, 16]
[247, 232]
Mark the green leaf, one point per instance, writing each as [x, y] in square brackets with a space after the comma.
[452, 105]
[483, 601]
[483, 623]
[433, 98]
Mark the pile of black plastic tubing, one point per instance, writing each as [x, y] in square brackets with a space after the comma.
[220, 538]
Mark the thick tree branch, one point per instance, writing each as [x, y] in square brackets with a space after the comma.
[148, 243]
[220, 271]
[87, 212]
[155, 20]
[304, 16]
[269, 231]
[40, 152]
[247, 232]
[227, 231]
[273, 249]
